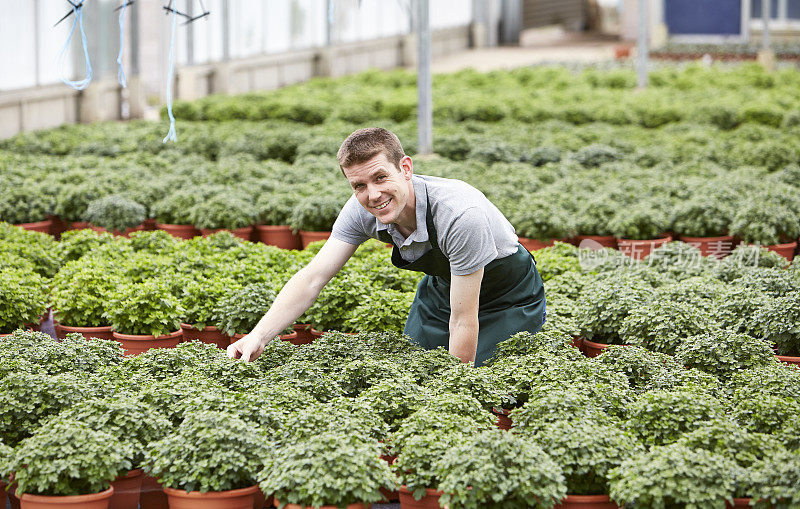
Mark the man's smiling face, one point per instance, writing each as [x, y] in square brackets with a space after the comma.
[381, 187]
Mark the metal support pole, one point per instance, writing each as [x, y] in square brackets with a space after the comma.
[36, 45]
[133, 34]
[329, 23]
[641, 48]
[424, 81]
[189, 36]
[226, 32]
[765, 21]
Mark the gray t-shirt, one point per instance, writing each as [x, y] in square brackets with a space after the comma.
[471, 231]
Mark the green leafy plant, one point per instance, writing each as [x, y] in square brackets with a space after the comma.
[778, 322]
[317, 214]
[81, 292]
[723, 353]
[556, 260]
[643, 221]
[73, 354]
[480, 383]
[662, 325]
[542, 220]
[553, 405]
[394, 400]
[144, 308]
[177, 207]
[115, 213]
[338, 299]
[275, 208]
[689, 410]
[25, 202]
[76, 243]
[67, 458]
[764, 221]
[679, 260]
[495, 469]
[240, 309]
[674, 476]
[775, 479]
[415, 466]
[586, 451]
[766, 413]
[200, 297]
[309, 472]
[209, 451]
[23, 299]
[704, 215]
[643, 368]
[221, 210]
[382, 311]
[604, 304]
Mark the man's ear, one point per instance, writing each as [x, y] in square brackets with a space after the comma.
[407, 167]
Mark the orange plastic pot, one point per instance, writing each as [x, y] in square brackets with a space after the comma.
[592, 349]
[503, 418]
[429, 501]
[87, 332]
[229, 499]
[45, 226]
[307, 237]
[93, 501]
[718, 247]
[303, 331]
[639, 249]
[786, 250]
[152, 495]
[207, 334]
[245, 233]
[278, 235]
[788, 359]
[277, 503]
[134, 344]
[587, 502]
[126, 490]
[181, 231]
[534, 244]
[595, 241]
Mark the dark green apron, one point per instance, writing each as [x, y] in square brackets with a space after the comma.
[511, 297]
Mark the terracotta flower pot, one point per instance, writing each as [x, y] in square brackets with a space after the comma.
[87, 332]
[149, 224]
[738, 503]
[304, 335]
[152, 495]
[718, 247]
[592, 349]
[181, 231]
[639, 249]
[126, 233]
[786, 250]
[316, 333]
[622, 51]
[229, 499]
[45, 226]
[535, 245]
[134, 344]
[126, 490]
[595, 241]
[503, 418]
[207, 334]
[78, 225]
[93, 501]
[277, 503]
[8, 491]
[788, 359]
[577, 342]
[279, 236]
[587, 502]
[307, 237]
[245, 233]
[429, 501]
[260, 501]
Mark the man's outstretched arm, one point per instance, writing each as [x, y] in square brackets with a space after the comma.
[294, 299]
[464, 298]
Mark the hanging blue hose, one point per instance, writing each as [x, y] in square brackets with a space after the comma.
[77, 11]
[120, 69]
[171, 135]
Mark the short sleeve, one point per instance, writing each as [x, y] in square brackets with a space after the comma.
[348, 226]
[469, 243]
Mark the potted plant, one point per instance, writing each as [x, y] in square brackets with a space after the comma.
[80, 296]
[480, 383]
[173, 212]
[71, 354]
[591, 223]
[238, 312]
[221, 211]
[586, 451]
[663, 324]
[67, 463]
[117, 214]
[394, 399]
[674, 476]
[642, 367]
[384, 311]
[273, 212]
[541, 223]
[415, 468]
[23, 300]
[336, 301]
[73, 200]
[724, 353]
[144, 315]
[495, 469]
[775, 479]
[314, 218]
[308, 473]
[199, 298]
[689, 410]
[769, 223]
[703, 222]
[209, 461]
[76, 243]
[135, 424]
[777, 323]
[640, 229]
[27, 205]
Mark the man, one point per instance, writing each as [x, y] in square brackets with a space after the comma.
[481, 285]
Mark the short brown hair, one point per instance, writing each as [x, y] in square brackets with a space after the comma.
[364, 144]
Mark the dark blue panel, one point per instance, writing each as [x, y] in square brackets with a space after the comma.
[793, 9]
[706, 17]
[755, 9]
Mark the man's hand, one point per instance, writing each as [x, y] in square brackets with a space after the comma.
[464, 298]
[248, 348]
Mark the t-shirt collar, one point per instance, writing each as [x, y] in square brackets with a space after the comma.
[421, 206]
